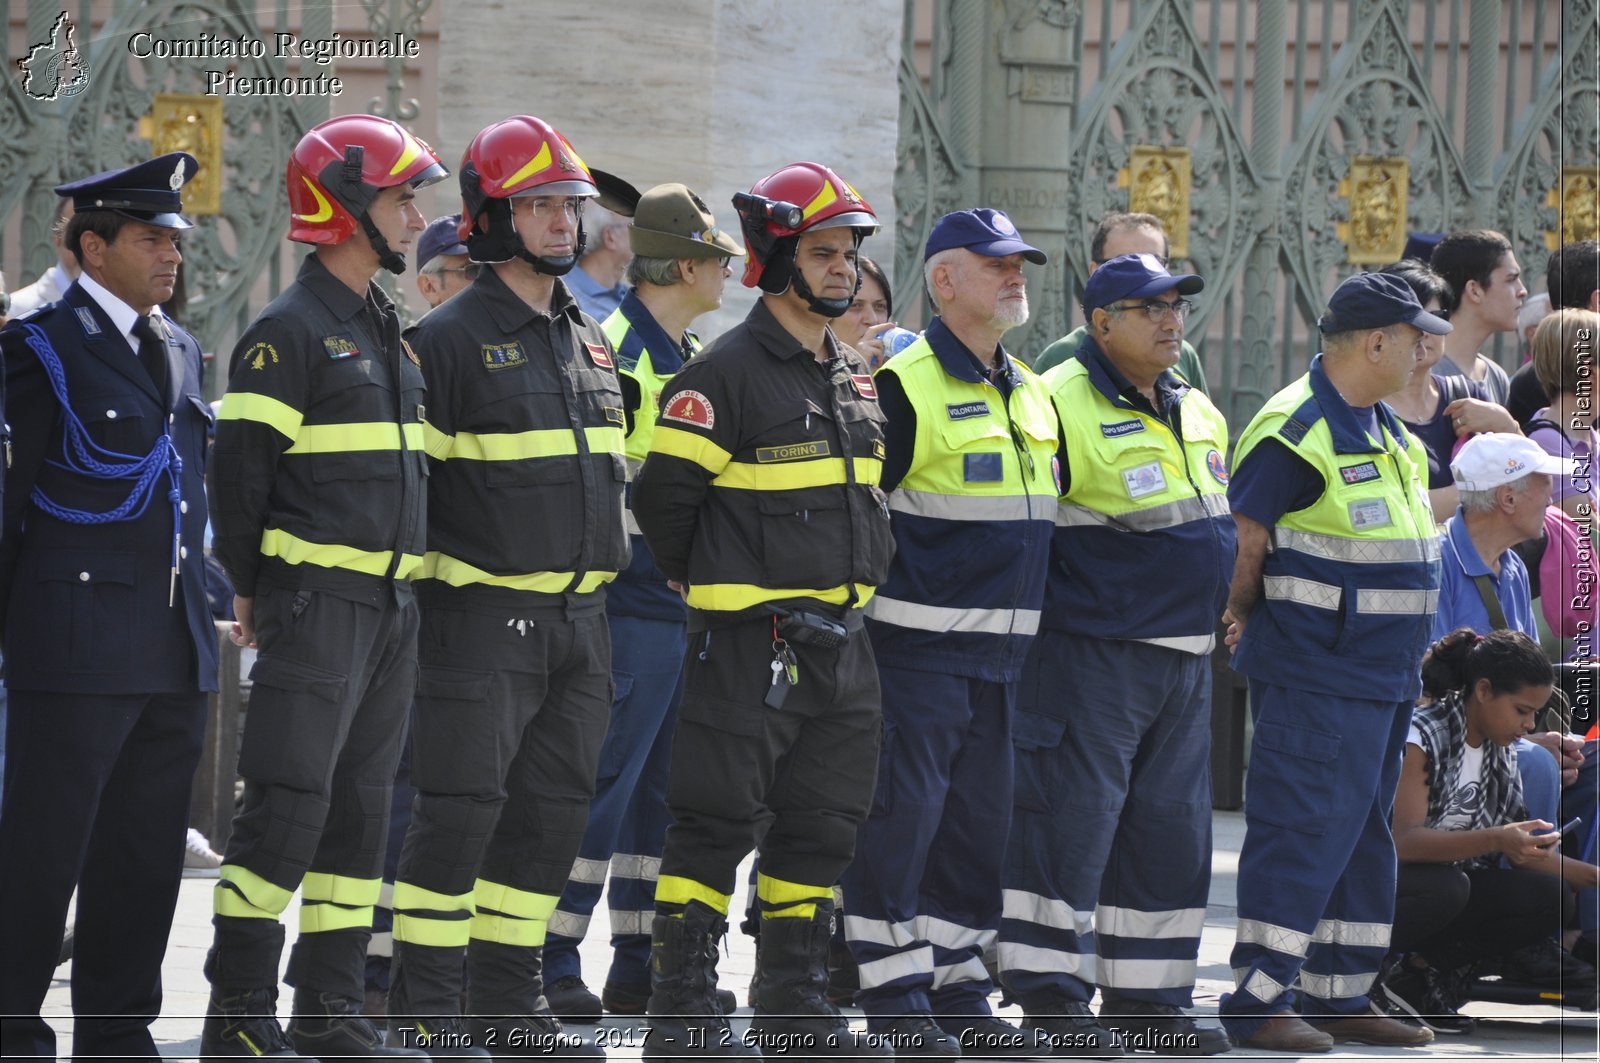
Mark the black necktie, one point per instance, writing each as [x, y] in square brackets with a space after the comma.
[152, 351]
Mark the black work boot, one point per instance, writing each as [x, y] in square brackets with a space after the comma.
[1164, 1029]
[445, 1037]
[244, 1024]
[425, 1002]
[1069, 1028]
[793, 1014]
[330, 1025]
[686, 1021]
[507, 1011]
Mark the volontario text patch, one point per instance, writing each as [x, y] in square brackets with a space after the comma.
[962, 411]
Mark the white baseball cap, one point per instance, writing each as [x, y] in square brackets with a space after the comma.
[1493, 459]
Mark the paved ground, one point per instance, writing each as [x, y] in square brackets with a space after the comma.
[1519, 1032]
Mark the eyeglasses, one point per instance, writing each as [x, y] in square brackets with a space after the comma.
[470, 270]
[1156, 310]
[725, 261]
[543, 207]
[1442, 315]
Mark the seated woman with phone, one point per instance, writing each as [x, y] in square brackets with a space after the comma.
[1478, 879]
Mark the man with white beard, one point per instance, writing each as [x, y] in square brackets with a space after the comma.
[970, 449]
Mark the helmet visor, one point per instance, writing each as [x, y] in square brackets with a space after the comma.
[854, 219]
[559, 188]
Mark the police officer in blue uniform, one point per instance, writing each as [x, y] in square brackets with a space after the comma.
[109, 644]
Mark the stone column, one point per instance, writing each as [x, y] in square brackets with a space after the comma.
[714, 93]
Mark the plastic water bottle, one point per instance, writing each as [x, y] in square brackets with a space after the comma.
[896, 340]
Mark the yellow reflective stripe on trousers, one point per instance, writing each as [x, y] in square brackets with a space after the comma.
[672, 889]
[322, 917]
[795, 475]
[781, 899]
[409, 897]
[508, 900]
[341, 889]
[421, 930]
[275, 542]
[342, 438]
[732, 597]
[535, 443]
[458, 573]
[942, 619]
[243, 894]
[263, 409]
[689, 447]
[505, 930]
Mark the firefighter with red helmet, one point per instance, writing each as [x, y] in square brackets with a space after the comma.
[525, 529]
[318, 509]
[759, 499]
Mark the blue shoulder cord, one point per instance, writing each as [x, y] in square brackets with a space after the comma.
[87, 458]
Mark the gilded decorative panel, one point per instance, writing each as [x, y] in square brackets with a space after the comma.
[1375, 235]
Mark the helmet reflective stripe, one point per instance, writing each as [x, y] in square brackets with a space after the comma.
[324, 208]
[825, 196]
[539, 162]
[408, 156]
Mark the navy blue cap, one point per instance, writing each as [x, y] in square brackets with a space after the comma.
[441, 237]
[1135, 277]
[982, 231]
[1377, 300]
[146, 191]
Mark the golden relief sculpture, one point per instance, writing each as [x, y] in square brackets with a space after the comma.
[1376, 190]
[1577, 203]
[182, 122]
[1158, 181]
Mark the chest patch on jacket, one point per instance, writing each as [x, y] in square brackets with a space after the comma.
[597, 354]
[1122, 428]
[1144, 480]
[503, 355]
[982, 468]
[1359, 474]
[794, 451]
[615, 416]
[340, 346]
[962, 411]
[690, 407]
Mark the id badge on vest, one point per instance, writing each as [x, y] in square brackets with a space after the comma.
[1143, 480]
[1370, 513]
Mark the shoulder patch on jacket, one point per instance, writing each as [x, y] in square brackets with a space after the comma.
[1293, 430]
[597, 353]
[864, 385]
[503, 355]
[690, 407]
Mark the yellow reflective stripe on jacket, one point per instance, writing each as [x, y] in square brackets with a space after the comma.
[535, 443]
[690, 447]
[293, 550]
[459, 573]
[793, 475]
[264, 409]
[438, 444]
[732, 597]
[339, 438]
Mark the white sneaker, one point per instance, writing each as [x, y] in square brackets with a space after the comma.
[199, 859]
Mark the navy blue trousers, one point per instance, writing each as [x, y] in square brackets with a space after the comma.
[97, 798]
[1317, 870]
[628, 817]
[922, 897]
[1109, 863]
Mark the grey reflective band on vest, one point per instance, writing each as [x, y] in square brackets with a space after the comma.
[630, 522]
[968, 507]
[1167, 515]
[1372, 602]
[938, 618]
[1357, 551]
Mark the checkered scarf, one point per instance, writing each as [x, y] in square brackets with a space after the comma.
[1443, 729]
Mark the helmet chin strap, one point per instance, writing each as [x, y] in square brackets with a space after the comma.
[824, 307]
[388, 258]
[552, 265]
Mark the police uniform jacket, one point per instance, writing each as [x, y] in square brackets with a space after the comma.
[85, 606]
[525, 437]
[646, 359]
[761, 487]
[318, 477]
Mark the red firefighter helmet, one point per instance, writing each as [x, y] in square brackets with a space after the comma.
[517, 156]
[339, 167]
[781, 206]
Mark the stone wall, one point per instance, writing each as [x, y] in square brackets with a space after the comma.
[713, 93]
